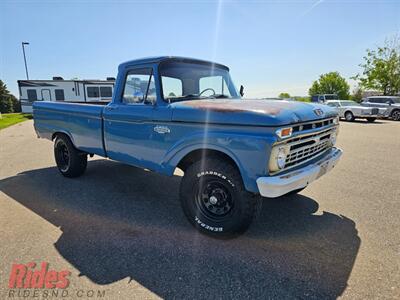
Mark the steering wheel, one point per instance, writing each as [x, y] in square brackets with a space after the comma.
[207, 89]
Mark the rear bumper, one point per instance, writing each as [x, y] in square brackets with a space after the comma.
[275, 186]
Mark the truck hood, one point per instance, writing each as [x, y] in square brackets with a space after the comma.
[249, 111]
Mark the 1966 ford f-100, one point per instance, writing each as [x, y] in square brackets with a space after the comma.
[173, 112]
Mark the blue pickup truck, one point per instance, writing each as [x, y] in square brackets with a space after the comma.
[174, 112]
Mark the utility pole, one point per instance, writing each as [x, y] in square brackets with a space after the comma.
[26, 67]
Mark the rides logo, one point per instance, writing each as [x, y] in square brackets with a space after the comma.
[25, 276]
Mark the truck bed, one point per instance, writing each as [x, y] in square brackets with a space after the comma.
[82, 122]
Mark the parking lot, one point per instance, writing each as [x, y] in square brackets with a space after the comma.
[120, 230]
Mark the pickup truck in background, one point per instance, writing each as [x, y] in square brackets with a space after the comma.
[173, 112]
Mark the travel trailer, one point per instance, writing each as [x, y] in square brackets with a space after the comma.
[59, 89]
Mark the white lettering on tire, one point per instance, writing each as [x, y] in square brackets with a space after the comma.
[205, 226]
[203, 173]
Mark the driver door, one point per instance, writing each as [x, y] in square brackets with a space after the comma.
[128, 122]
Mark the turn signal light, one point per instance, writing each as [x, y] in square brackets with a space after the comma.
[284, 132]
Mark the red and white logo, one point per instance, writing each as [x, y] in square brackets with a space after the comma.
[26, 276]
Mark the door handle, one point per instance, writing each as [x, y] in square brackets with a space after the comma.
[110, 108]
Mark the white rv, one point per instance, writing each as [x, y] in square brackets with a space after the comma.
[64, 90]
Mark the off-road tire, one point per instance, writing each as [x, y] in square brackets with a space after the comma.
[370, 120]
[70, 161]
[217, 177]
[349, 116]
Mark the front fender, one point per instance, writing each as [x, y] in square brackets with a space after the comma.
[249, 152]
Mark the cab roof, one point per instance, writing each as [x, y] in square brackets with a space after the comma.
[162, 59]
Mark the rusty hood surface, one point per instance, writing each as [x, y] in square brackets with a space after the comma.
[249, 111]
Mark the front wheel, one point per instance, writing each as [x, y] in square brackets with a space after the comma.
[214, 200]
[349, 116]
[70, 161]
[370, 120]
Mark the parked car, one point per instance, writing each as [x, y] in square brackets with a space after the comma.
[171, 112]
[389, 104]
[322, 98]
[351, 110]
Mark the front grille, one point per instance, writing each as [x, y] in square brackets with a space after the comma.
[307, 147]
[375, 111]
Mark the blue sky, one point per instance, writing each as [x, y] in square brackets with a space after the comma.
[270, 46]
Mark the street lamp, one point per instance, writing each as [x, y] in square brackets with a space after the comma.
[26, 67]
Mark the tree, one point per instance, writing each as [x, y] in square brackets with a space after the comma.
[357, 95]
[330, 83]
[381, 68]
[16, 104]
[284, 95]
[6, 103]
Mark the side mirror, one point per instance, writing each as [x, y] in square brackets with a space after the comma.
[389, 102]
[241, 91]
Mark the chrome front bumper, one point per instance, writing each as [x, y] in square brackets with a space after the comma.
[279, 185]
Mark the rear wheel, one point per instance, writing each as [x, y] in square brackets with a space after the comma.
[396, 115]
[349, 116]
[214, 200]
[371, 120]
[70, 161]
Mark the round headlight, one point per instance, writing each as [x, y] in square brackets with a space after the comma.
[277, 159]
[281, 158]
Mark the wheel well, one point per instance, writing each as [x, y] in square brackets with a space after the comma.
[55, 134]
[199, 154]
[348, 111]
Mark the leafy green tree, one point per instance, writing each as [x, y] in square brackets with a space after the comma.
[16, 104]
[3, 89]
[284, 95]
[6, 102]
[381, 68]
[330, 83]
[6, 105]
[357, 95]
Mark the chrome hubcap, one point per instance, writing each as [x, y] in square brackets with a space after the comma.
[213, 200]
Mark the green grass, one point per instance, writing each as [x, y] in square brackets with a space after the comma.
[11, 119]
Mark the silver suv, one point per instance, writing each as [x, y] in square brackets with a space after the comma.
[390, 103]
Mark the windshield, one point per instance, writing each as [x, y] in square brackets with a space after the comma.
[188, 81]
[349, 103]
[396, 100]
